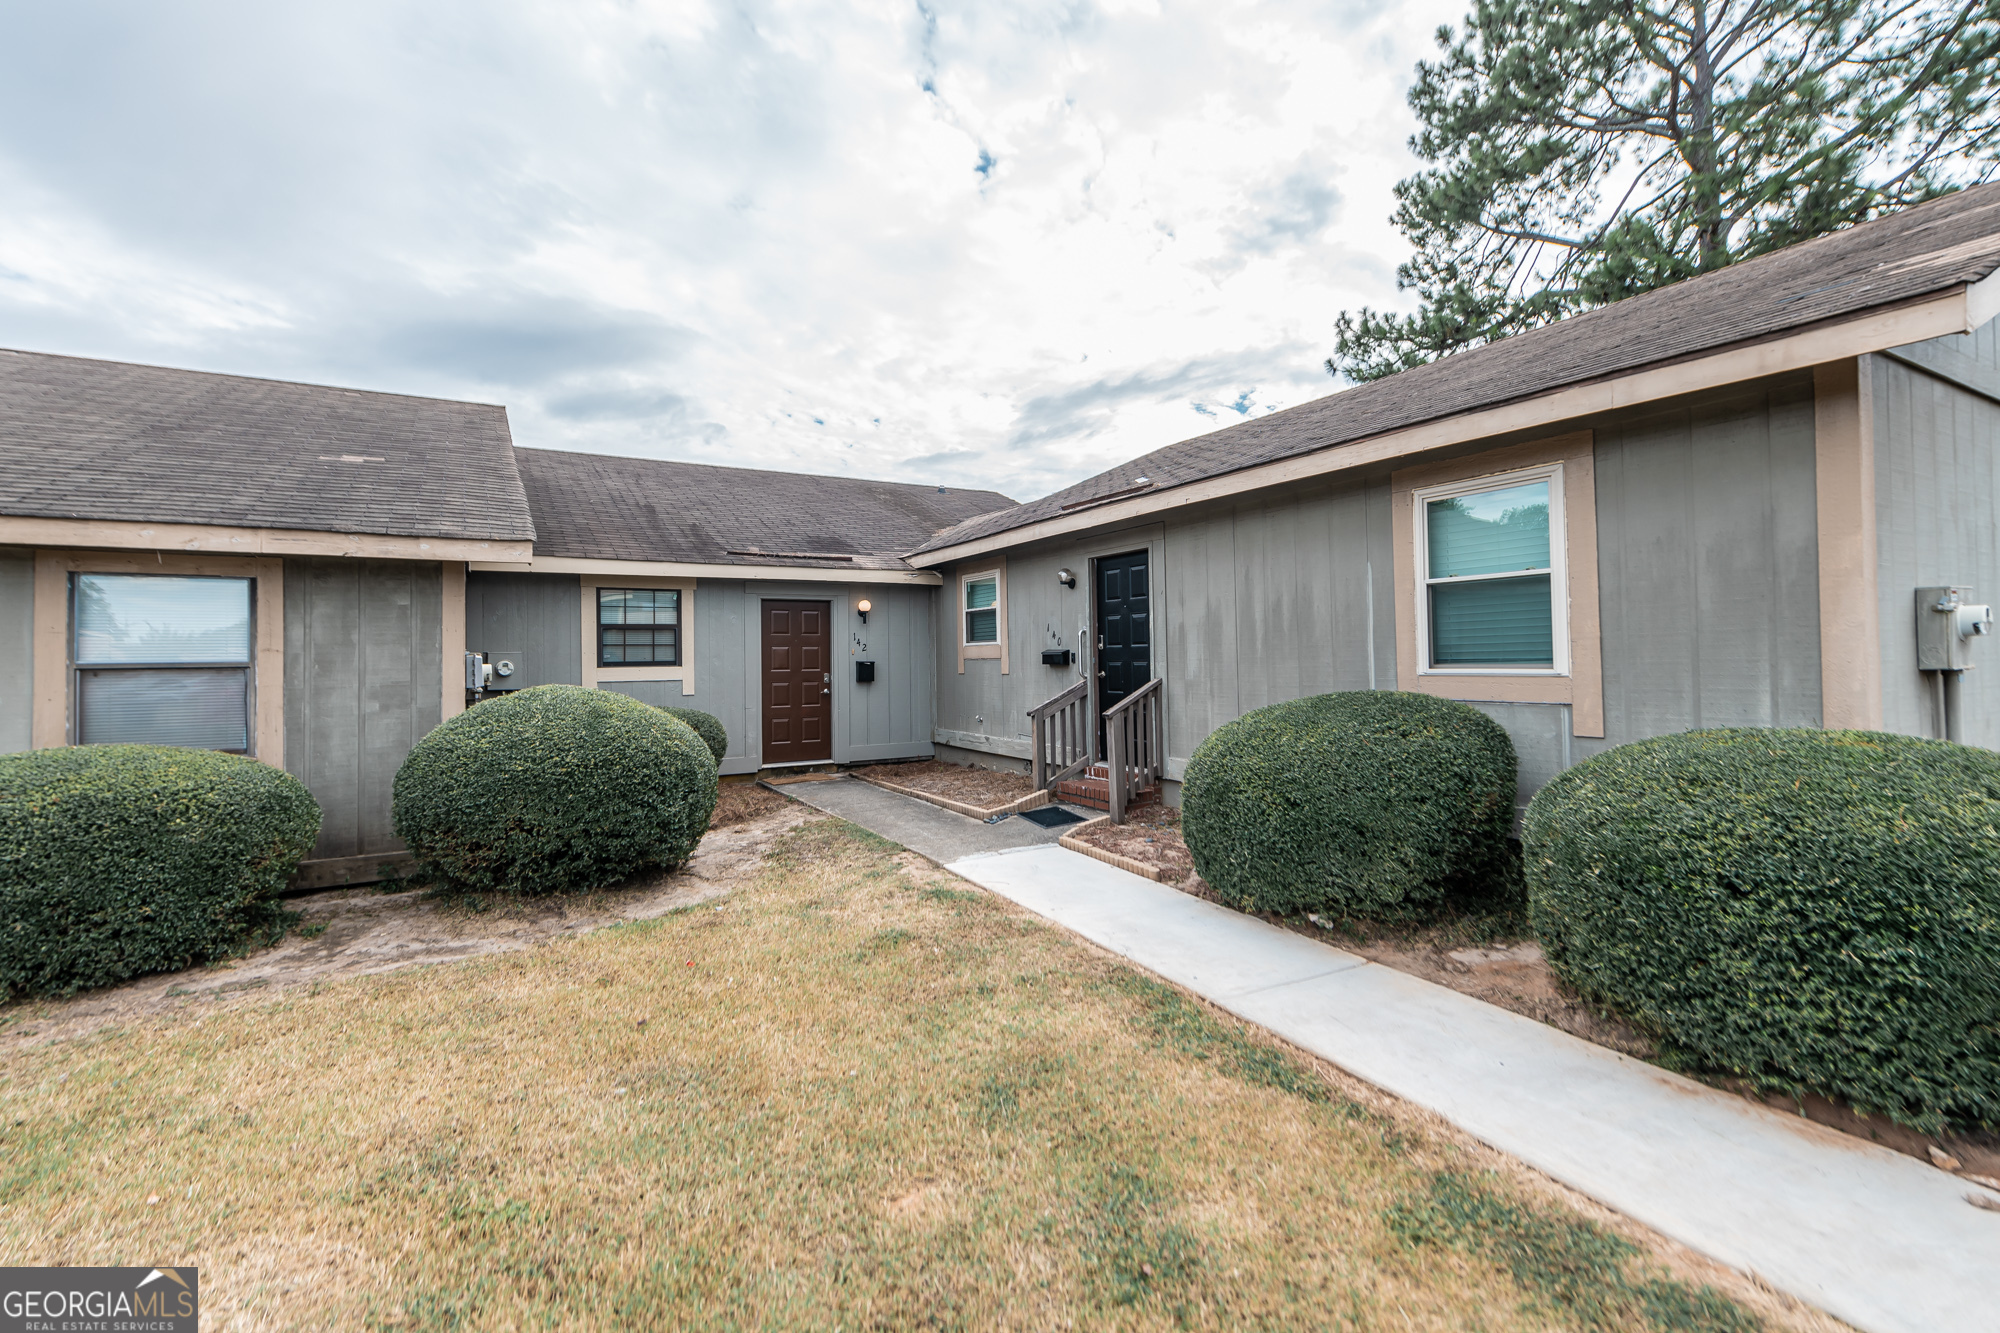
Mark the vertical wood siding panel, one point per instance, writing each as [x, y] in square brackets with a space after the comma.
[1795, 638]
[539, 616]
[17, 656]
[1731, 512]
[1936, 479]
[1650, 638]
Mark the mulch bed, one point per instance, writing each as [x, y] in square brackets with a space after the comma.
[741, 802]
[1151, 836]
[980, 787]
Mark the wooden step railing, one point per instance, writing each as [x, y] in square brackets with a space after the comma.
[1135, 736]
[1062, 737]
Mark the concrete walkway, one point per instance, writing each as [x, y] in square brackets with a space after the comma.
[924, 828]
[1876, 1238]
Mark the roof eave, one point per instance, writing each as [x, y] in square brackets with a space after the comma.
[1960, 309]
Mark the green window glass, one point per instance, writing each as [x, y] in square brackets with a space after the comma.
[982, 609]
[1490, 580]
[638, 627]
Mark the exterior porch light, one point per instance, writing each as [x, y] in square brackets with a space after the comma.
[1064, 577]
[864, 606]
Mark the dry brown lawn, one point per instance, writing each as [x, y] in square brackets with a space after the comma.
[854, 1094]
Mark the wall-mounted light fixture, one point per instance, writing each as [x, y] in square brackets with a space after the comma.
[1064, 577]
[864, 606]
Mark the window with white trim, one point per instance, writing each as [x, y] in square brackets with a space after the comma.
[1490, 553]
[982, 608]
[162, 659]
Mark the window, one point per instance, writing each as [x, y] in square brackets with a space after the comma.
[162, 660]
[1490, 557]
[638, 627]
[982, 608]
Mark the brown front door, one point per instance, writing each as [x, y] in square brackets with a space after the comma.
[798, 682]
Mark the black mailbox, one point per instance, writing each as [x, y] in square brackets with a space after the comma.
[1056, 657]
[864, 673]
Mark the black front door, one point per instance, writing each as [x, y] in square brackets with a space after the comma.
[1124, 631]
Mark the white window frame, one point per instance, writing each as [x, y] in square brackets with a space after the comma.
[999, 618]
[1558, 569]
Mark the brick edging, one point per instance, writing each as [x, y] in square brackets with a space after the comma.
[1070, 841]
[1033, 800]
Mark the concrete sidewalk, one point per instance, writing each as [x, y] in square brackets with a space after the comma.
[1875, 1238]
[924, 828]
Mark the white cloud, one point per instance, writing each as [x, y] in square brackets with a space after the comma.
[970, 241]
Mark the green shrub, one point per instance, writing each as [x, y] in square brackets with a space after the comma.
[707, 726]
[1811, 909]
[554, 789]
[120, 860]
[1371, 803]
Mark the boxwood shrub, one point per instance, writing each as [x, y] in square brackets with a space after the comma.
[554, 789]
[1815, 910]
[1372, 803]
[120, 860]
[707, 726]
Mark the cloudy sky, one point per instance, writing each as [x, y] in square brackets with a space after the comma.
[987, 243]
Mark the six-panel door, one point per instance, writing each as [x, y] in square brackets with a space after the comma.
[798, 682]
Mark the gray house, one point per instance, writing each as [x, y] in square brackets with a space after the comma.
[1712, 505]
[298, 573]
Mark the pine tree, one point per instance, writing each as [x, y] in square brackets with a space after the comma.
[1585, 152]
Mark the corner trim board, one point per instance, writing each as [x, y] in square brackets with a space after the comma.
[1850, 642]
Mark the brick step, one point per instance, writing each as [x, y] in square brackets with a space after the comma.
[1094, 791]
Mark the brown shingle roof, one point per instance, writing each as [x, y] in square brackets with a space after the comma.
[1923, 251]
[109, 440]
[601, 507]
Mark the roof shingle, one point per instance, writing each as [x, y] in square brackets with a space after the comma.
[108, 440]
[601, 507]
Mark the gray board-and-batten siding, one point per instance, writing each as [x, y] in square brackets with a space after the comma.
[17, 648]
[363, 662]
[540, 616]
[1936, 410]
[1707, 564]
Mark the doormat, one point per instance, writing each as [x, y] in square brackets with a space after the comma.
[1050, 816]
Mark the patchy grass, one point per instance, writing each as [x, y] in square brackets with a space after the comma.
[850, 1096]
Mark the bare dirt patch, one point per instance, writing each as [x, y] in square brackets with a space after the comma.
[980, 787]
[358, 931]
[1151, 836]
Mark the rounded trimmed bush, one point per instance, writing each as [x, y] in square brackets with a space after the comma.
[1371, 803]
[707, 726]
[121, 860]
[1815, 910]
[552, 790]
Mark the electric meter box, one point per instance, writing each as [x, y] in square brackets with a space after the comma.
[1947, 623]
[506, 671]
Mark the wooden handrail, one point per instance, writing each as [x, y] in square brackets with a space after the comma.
[1062, 741]
[1136, 740]
[1070, 695]
[1150, 687]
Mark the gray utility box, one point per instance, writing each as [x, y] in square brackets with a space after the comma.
[1947, 623]
[506, 672]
